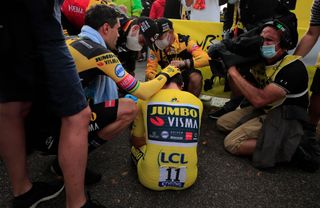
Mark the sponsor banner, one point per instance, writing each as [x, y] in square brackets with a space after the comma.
[204, 33]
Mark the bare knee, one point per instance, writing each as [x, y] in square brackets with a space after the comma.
[195, 79]
[79, 119]
[195, 83]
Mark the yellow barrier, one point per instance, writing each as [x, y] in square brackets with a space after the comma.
[302, 11]
[204, 33]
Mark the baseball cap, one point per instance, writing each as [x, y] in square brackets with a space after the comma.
[164, 25]
[149, 30]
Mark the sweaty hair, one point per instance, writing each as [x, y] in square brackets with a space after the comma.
[99, 14]
[176, 79]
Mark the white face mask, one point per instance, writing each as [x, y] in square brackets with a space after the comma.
[133, 41]
[162, 44]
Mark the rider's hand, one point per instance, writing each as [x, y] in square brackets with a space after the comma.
[170, 71]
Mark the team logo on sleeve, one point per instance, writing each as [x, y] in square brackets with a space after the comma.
[152, 57]
[119, 71]
[194, 47]
[100, 63]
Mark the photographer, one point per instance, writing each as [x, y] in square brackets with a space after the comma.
[244, 16]
[270, 129]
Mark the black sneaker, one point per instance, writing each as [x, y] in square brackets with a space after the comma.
[92, 204]
[91, 177]
[216, 114]
[39, 192]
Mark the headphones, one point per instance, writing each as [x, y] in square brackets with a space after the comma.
[288, 38]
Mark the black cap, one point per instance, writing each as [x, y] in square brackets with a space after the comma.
[287, 24]
[164, 25]
[149, 30]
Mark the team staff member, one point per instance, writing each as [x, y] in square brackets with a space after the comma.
[135, 33]
[270, 129]
[303, 48]
[165, 137]
[178, 50]
[92, 58]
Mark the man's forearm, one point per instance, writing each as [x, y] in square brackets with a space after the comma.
[308, 41]
[252, 93]
[305, 45]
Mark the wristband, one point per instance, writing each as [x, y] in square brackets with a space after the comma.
[132, 97]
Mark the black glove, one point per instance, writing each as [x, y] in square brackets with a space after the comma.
[215, 49]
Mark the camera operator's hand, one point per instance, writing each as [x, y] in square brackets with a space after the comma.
[232, 70]
[215, 50]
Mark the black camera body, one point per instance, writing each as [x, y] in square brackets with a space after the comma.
[288, 4]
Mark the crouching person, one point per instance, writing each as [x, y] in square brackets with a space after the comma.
[165, 137]
[273, 128]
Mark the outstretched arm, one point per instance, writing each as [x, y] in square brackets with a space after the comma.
[110, 65]
[308, 41]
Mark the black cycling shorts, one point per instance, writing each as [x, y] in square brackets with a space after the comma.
[43, 131]
[102, 115]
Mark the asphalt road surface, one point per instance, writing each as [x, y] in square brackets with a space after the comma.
[224, 181]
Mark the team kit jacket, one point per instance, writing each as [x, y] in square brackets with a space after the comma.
[181, 49]
[93, 59]
[170, 121]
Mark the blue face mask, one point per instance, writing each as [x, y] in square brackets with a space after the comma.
[268, 51]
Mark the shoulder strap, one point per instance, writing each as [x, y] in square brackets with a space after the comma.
[285, 61]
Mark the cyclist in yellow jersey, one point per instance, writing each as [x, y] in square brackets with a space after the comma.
[165, 137]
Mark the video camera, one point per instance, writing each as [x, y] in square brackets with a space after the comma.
[243, 52]
[288, 4]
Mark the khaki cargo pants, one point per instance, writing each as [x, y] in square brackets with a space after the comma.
[248, 130]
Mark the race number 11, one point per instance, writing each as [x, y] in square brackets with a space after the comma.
[171, 176]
